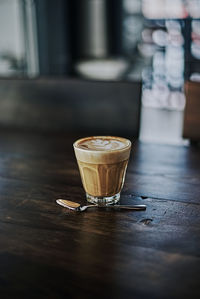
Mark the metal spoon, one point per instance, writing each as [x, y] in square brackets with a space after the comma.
[77, 207]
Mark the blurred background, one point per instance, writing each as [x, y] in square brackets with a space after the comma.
[148, 49]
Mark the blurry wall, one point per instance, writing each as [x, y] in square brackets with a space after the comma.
[86, 107]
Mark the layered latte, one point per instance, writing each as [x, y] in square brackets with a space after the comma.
[102, 162]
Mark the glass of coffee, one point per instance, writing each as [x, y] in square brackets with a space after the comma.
[102, 162]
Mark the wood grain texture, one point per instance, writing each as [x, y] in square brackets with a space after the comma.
[47, 251]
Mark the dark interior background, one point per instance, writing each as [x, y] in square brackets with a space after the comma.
[72, 106]
[94, 65]
[63, 33]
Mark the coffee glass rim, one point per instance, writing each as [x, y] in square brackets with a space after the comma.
[75, 144]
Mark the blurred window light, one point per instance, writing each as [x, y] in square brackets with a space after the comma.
[146, 49]
[12, 46]
[175, 9]
[160, 37]
[161, 97]
[133, 25]
[147, 35]
[174, 54]
[132, 6]
[174, 62]
[159, 78]
[159, 62]
[195, 35]
[147, 78]
[193, 7]
[176, 101]
[156, 97]
[153, 9]
[160, 94]
[163, 84]
[162, 9]
[196, 27]
[5, 68]
[195, 50]
[175, 81]
[173, 66]
[175, 69]
[132, 28]
[175, 36]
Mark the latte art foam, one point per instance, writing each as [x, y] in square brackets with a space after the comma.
[102, 162]
[102, 144]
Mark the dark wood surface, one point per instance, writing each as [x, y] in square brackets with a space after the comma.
[47, 251]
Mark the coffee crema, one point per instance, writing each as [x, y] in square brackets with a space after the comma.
[102, 149]
[102, 144]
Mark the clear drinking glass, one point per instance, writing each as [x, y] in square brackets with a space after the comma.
[102, 166]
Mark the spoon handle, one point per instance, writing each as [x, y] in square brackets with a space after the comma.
[127, 207]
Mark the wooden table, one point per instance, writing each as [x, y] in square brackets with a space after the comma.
[47, 251]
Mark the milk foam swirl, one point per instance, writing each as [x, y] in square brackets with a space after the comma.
[102, 144]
